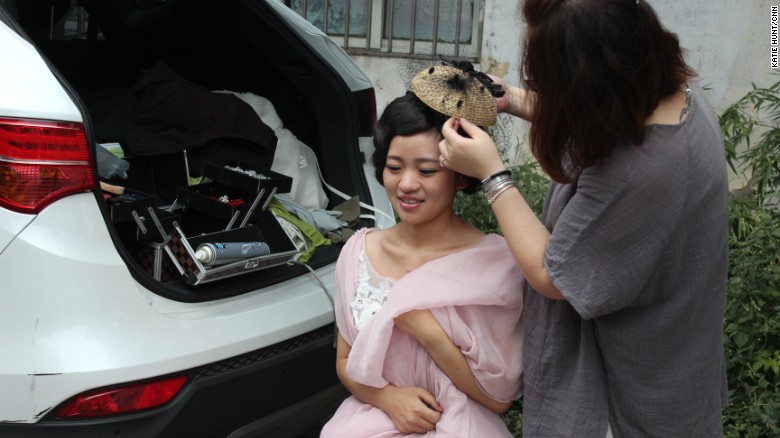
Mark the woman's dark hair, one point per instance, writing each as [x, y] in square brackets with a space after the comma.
[598, 69]
[406, 115]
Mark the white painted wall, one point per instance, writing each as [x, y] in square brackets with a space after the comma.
[727, 43]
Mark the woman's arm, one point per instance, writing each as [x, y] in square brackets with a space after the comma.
[525, 234]
[477, 156]
[527, 239]
[422, 325]
[412, 409]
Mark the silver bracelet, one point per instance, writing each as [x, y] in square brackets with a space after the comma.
[495, 189]
[490, 184]
[501, 190]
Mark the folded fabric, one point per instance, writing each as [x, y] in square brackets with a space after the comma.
[324, 220]
[314, 238]
[350, 211]
[475, 294]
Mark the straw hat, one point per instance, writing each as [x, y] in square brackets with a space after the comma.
[456, 93]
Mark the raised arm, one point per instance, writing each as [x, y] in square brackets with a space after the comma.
[412, 409]
[477, 156]
[422, 325]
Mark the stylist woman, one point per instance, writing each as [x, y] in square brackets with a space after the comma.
[628, 267]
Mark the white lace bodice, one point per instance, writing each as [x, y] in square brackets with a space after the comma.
[372, 291]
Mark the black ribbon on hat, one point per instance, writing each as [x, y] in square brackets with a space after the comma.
[458, 83]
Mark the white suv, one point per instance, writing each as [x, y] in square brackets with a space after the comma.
[94, 341]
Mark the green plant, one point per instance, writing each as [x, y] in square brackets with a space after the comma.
[752, 323]
[752, 316]
[751, 129]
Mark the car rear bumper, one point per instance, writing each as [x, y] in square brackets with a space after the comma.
[279, 391]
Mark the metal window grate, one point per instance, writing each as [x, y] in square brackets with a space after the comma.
[399, 28]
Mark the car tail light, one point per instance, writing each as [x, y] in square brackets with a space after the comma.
[121, 400]
[42, 161]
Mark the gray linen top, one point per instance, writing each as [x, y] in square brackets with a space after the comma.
[640, 251]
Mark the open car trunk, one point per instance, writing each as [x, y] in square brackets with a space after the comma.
[174, 91]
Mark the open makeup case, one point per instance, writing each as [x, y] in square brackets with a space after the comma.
[228, 207]
[179, 198]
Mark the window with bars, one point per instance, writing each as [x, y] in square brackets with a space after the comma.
[399, 27]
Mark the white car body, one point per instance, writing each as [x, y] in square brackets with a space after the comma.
[74, 316]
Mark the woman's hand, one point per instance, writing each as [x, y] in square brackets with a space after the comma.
[503, 103]
[515, 101]
[412, 409]
[475, 155]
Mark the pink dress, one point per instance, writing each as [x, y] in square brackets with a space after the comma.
[476, 296]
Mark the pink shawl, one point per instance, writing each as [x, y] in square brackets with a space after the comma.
[476, 296]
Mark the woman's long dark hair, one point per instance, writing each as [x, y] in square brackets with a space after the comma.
[598, 69]
[406, 115]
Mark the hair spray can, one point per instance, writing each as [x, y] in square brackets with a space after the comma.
[220, 253]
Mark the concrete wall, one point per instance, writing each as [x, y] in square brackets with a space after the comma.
[727, 43]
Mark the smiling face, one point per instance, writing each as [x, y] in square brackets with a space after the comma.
[419, 189]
